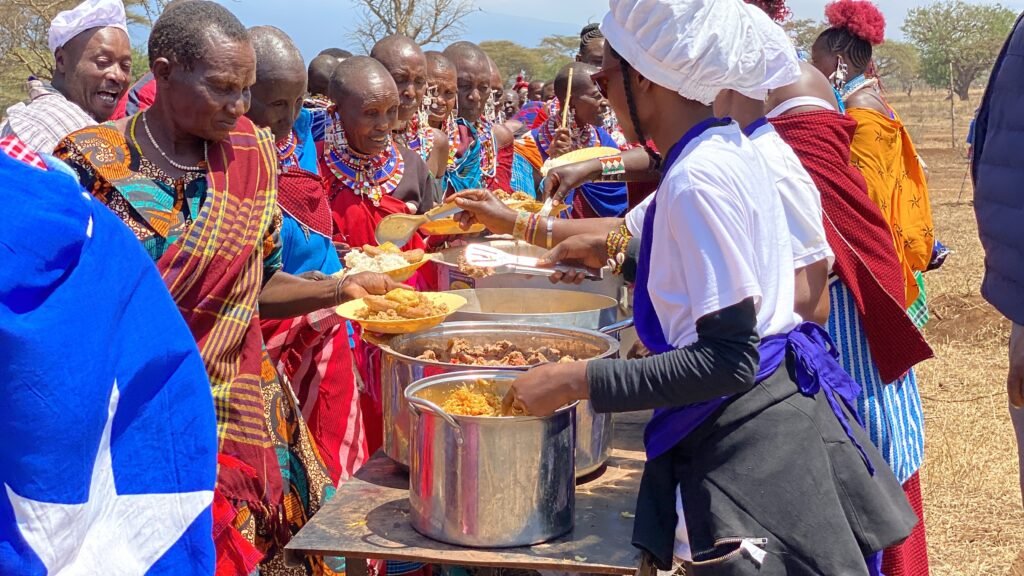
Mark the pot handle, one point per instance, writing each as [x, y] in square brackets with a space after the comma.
[613, 329]
[416, 404]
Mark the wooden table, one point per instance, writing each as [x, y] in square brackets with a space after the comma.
[368, 517]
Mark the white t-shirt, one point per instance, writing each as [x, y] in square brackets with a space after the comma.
[801, 200]
[720, 236]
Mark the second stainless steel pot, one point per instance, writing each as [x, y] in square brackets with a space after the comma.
[400, 367]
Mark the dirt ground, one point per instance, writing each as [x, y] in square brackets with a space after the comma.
[974, 517]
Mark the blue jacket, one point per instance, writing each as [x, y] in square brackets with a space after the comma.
[998, 175]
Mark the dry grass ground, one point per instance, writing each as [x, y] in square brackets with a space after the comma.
[972, 502]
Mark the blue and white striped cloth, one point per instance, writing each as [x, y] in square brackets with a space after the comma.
[891, 412]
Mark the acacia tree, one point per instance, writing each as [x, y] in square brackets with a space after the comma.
[955, 34]
[804, 31]
[425, 21]
[898, 65]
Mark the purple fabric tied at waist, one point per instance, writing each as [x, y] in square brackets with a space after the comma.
[816, 369]
[815, 355]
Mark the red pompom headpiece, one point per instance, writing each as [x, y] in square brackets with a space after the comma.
[861, 18]
[776, 9]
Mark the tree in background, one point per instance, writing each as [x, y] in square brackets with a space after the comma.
[898, 64]
[953, 33]
[24, 26]
[425, 21]
[804, 31]
[540, 63]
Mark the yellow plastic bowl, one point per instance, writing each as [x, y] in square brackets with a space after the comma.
[349, 311]
[405, 272]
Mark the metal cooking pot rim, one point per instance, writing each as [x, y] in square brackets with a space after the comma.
[478, 375]
[613, 344]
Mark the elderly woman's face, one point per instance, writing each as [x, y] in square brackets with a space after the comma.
[209, 99]
[368, 112]
[444, 95]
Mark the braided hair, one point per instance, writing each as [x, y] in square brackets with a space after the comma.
[634, 116]
[855, 26]
[589, 33]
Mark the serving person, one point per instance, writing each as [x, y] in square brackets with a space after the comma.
[196, 182]
[822, 499]
[92, 69]
[312, 351]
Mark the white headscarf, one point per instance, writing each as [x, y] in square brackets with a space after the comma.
[700, 47]
[87, 15]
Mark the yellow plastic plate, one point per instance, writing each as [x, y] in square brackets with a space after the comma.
[535, 206]
[449, 227]
[350, 310]
[405, 272]
[581, 155]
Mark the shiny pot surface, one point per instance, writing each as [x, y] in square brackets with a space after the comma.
[537, 306]
[400, 368]
[489, 482]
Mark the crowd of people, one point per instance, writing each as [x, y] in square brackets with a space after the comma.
[772, 214]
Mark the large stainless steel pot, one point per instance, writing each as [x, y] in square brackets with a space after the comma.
[450, 278]
[488, 482]
[400, 367]
[537, 306]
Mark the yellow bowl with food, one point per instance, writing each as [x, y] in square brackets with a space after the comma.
[535, 206]
[401, 311]
[388, 259]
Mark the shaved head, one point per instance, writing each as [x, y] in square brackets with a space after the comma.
[497, 84]
[535, 90]
[276, 54]
[463, 53]
[473, 71]
[356, 76]
[338, 53]
[581, 81]
[320, 70]
[396, 46]
[438, 64]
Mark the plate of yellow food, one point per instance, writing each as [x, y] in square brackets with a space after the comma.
[446, 226]
[523, 201]
[401, 311]
[581, 155]
[387, 259]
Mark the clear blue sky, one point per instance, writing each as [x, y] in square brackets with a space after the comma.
[318, 24]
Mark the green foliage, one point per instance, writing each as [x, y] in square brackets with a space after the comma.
[953, 33]
[140, 62]
[804, 31]
[898, 65]
[541, 63]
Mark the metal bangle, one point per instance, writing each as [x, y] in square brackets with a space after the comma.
[551, 231]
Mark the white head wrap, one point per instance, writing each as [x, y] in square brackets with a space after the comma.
[700, 47]
[87, 15]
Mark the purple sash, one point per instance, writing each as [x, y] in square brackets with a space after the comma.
[815, 355]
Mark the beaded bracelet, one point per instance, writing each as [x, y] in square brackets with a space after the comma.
[612, 166]
[519, 229]
[616, 245]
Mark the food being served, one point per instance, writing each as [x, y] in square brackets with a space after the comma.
[468, 269]
[401, 304]
[501, 353]
[513, 197]
[383, 258]
[476, 399]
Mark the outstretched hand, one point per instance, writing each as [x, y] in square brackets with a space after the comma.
[581, 251]
[365, 284]
[483, 207]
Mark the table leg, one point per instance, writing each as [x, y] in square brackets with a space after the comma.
[355, 567]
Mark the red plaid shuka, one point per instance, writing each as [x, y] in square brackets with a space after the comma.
[859, 236]
[17, 149]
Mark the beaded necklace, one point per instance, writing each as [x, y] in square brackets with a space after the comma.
[581, 136]
[451, 129]
[371, 176]
[419, 136]
[286, 152]
[488, 147]
[855, 85]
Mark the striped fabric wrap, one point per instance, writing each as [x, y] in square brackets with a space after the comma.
[891, 411]
[270, 477]
[918, 311]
